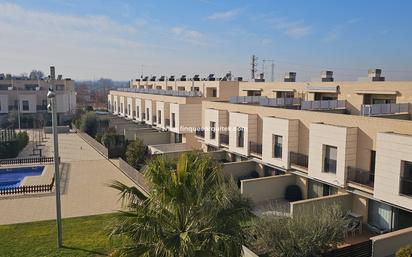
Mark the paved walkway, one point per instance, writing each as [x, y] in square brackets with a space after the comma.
[85, 192]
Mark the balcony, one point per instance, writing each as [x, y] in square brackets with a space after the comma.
[384, 109]
[200, 132]
[255, 148]
[162, 92]
[299, 160]
[359, 176]
[323, 105]
[265, 101]
[224, 139]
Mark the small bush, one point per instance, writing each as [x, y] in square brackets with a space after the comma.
[405, 251]
[22, 139]
[136, 153]
[89, 124]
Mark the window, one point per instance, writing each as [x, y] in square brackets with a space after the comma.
[254, 93]
[277, 146]
[196, 89]
[60, 87]
[284, 94]
[147, 113]
[129, 109]
[406, 179]
[173, 120]
[158, 87]
[121, 107]
[178, 138]
[159, 116]
[25, 104]
[212, 130]
[137, 111]
[240, 137]
[329, 161]
[181, 88]
[169, 88]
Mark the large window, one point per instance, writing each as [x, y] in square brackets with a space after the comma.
[330, 157]
[212, 130]
[159, 116]
[173, 120]
[240, 137]
[25, 104]
[277, 146]
[406, 179]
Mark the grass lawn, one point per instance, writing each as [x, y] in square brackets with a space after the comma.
[85, 236]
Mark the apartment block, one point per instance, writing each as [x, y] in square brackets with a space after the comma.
[29, 97]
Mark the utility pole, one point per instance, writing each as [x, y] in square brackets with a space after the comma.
[253, 68]
[52, 96]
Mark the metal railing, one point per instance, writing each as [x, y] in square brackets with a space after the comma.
[363, 177]
[19, 161]
[280, 102]
[323, 105]
[255, 148]
[224, 139]
[298, 159]
[384, 109]
[162, 92]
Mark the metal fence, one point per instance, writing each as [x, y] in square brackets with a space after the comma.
[19, 161]
[162, 92]
[384, 109]
[323, 105]
[27, 189]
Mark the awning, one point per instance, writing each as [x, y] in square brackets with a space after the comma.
[320, 89]
[252, 89]
[283, 90]
[376, 92]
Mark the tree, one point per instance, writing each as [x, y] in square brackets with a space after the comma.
[308, 234]
[89, 124]
[405, 251]
[136, 153]
[191, 211]
[36, 74]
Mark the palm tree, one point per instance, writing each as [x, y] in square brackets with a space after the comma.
[191, 211]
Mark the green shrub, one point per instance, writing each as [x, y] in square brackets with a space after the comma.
[89, 124]
[405, 251]
[22, 139]
[12, 148]
[136, 153]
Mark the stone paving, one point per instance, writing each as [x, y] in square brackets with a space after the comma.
[85, 186]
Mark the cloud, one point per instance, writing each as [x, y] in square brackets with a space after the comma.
[337, 32]
[227, 15]
[189, 35]
[293, 29]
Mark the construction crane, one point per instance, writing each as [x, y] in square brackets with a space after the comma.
[272, 75]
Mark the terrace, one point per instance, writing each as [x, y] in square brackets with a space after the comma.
[384, 109]
[178, 93]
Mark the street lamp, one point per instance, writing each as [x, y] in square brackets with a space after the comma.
[52, 107]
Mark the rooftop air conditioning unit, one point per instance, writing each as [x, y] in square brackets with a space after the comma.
[60, 77]
[183, 78]
[327, 76]
[153, 78]
[162, 78]
[375, 75]
[211, 77]
[196, 77]
[261, 78]
[290, 77]
[172, 78]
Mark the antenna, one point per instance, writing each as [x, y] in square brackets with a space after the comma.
[272, 75]
[254, 67]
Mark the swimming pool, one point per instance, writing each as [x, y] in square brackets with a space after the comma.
[12, 177]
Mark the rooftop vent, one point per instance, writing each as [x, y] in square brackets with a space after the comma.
[162, 78]
[196, 78]
[153, 78]
[261, 78]
[172, 78]
[375, 75]
[290, 77]
[327, 76]
[211, 77]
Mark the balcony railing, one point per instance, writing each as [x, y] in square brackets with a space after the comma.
[323, 105]
[298, 159]
[200, 132]
[363, 177]
[265, 101]
[167, 122]
[224, 139]
[162, 92]
[384, 109]
[255, 148]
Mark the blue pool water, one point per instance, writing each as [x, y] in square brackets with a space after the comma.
[13, 177]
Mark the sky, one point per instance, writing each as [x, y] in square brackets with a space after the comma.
[90, 39]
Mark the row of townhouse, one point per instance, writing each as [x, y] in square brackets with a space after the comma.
[29, 97]
[346, 142]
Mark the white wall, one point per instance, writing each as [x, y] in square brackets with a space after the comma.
[391, 150]
[130, 102]
[4, 103]
[32, 99]
[344, 138]
[249, 123]
[122, 101]
[289, 130]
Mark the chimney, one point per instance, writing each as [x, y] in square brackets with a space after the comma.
[327, 76]
[375, 75]
[290, 77]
